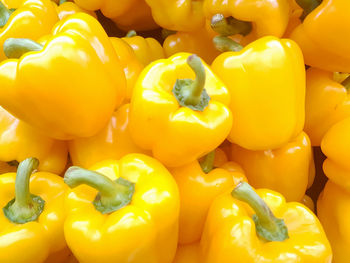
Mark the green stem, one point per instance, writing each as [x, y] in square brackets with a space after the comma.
[191, 93]
[208, 163]
[230, 26]
[346, 83]
[167, 32]
[224, 44]
[267, 225]
[25, 207]
[62, 2]
[112, 195]
[131, 33]
[5, 14]
[16, 47]
[308, 6]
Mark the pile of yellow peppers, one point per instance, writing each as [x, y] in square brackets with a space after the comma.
[167, 131]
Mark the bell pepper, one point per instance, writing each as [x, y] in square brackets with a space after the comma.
[112, 142]
[336, 146]
[187, 254]
[178, 118]
[186, 15]
[20, 141]
[66, 9]
[266, 116]
[333, 210]
[122, 211]
[261, 227]
[32, 218]
[130, 63]
[146, 50]
[32, 19]
[295, 14]
[130, 14]
[199, 184]
[80, 67]
[327, 102]
[268, 17]
[289, 170]
[325, 31]
[198, 42]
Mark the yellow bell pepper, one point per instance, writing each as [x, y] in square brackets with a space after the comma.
[289, 170]
[186, 15]
[178, 118]
[333, 210]
[66, 9]
[130, 14]
[198, 42]
[32, 19]
[266, 116]
[187, 254]
[324, 34]
[262, 228]
[32, 218]
[112, 142]
[327, 102]
[336, 146]
[146, 50]
[20, 141]
[130, 63]
[128, 214]
[267, 17]
[199, 184]
[81, 69]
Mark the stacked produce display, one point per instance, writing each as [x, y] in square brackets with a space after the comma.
[166, 131]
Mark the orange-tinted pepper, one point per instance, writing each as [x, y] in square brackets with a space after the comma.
[333, 210]
[336, 146]
[199, 184]
[289, 170]
[327, 102]
[324, 36]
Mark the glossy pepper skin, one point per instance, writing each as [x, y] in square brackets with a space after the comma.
[198, 189]
[69, 8]
[32, 19]
[146, 50]
[130, 14]
[230, 233]
[20, 141]
[266, 116]
[327, 102]
[198, 42]
[177, 134]
[267, 17]
[336, 145]
[131, 64]
[176, 15]
[33, 241]
[112, 142]
[325, 31]
[333, 208]
[187, 253]
[146, 228]
[74, 107]
[290, 169]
